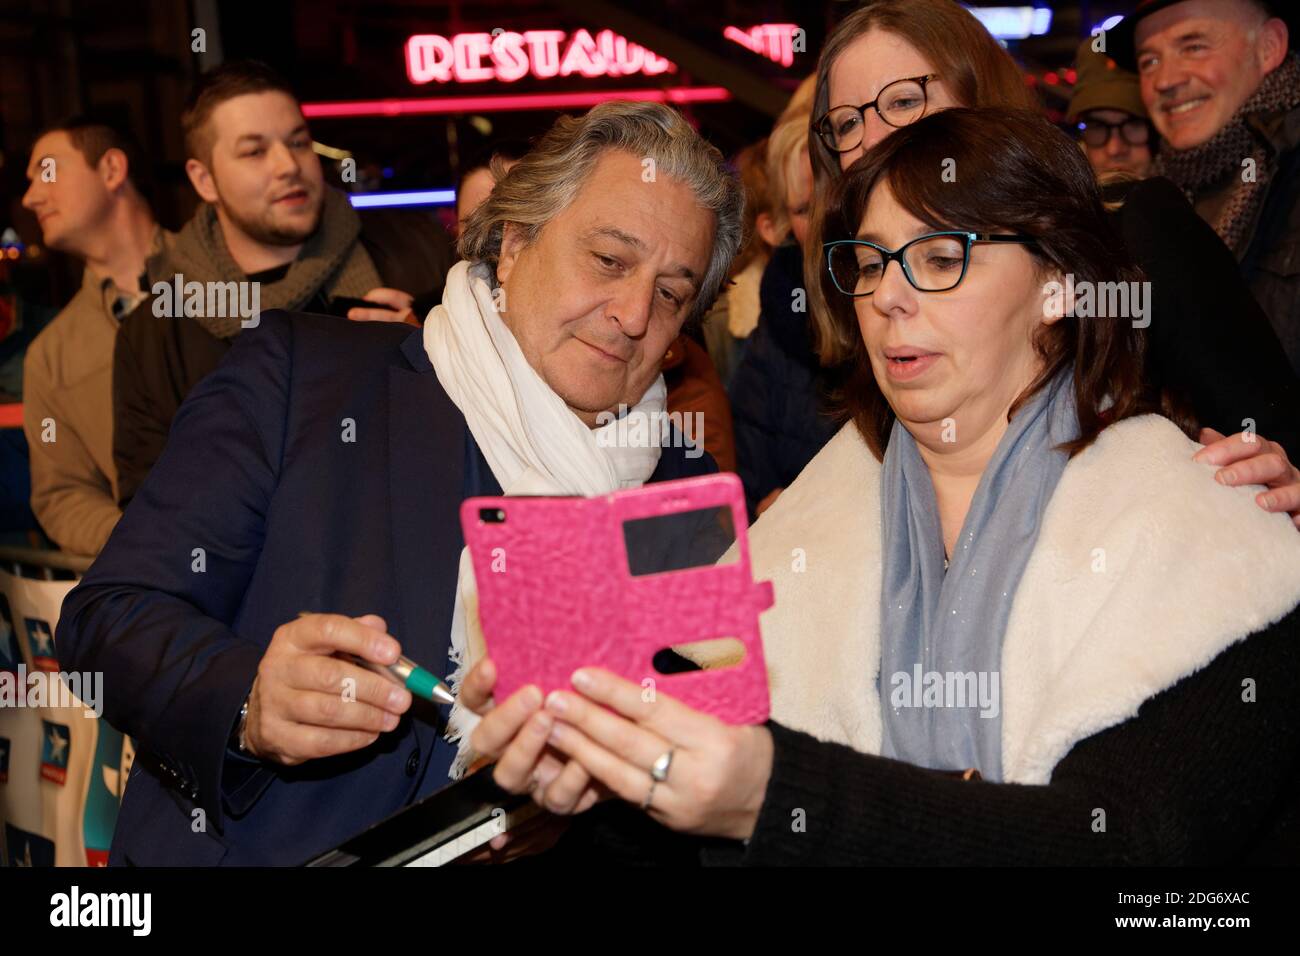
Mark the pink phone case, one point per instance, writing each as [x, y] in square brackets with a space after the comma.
[555, 593]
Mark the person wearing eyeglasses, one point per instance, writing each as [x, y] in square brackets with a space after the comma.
[778, 388]
[1031, 614]
[1209, 344]
[1108, 115]
[1078, 740]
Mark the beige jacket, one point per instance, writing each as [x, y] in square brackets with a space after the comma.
[68, 415]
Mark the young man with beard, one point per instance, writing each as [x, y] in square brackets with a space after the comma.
[270, 227]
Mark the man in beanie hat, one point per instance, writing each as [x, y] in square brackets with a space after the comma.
[1223, 90]
[1109, 115]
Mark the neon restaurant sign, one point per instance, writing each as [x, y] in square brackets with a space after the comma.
[461, 61]
[506, 56]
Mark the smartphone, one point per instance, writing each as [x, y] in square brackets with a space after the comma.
[442, 827]
[616, 580]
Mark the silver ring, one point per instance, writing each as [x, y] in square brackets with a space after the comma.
[645, 804]
[659, 772]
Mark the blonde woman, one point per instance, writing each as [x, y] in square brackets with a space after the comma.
[779, 389]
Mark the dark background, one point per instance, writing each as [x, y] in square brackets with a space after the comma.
[133, 59]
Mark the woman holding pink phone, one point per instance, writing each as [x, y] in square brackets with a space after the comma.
[1025, 599]
[1023, 602]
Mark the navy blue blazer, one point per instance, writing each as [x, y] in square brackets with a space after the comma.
[321, 467]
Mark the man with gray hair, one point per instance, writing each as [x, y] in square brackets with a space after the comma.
[321, 468]
[1223, 90]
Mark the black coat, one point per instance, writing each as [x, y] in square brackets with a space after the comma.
[1196, 778]
[778, 393]
[157, 361]
[1271, 263]
[1209, 342]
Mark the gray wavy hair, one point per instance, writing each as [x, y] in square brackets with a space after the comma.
[548, 178]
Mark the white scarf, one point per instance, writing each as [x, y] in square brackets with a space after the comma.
[533, 442]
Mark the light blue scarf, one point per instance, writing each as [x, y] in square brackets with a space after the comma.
[941, 632]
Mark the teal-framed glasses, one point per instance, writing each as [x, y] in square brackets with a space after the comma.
[935, 262]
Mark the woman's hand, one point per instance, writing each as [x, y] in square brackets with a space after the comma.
[718, 774]
[514, 735]
[1254, 462]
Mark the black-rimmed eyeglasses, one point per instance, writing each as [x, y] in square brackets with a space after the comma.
[935, 262]
[900, 103]
[1097, 133]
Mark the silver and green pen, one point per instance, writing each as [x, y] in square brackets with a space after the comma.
[413, 677]
[420, 682]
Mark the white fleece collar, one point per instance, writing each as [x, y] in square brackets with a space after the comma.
[1144, 571]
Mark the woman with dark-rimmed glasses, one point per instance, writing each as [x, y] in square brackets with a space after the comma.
[1028, 628]
[1096, 679]
[1209, 345]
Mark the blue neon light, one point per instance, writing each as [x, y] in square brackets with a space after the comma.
[1013, 23]
[422, 197]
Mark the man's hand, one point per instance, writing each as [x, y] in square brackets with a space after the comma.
[1254, 460]
[307, 702]
[398, 307]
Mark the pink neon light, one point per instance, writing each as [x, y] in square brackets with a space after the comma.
[772, 40]
[511, 101]
[508, 56]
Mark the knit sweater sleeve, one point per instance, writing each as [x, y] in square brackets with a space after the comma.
[1189, 780]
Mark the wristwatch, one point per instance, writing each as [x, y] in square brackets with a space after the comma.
[237, 738]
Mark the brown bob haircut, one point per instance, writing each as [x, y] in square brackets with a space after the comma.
[974, 69]
[1015, 173]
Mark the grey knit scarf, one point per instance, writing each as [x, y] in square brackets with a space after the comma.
[1221, 156]
[332, 260]
[941, 630]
